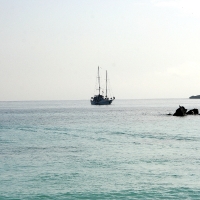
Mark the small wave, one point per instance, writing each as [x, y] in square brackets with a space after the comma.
[118, 133]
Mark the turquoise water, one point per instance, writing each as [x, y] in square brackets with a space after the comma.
[73, 150]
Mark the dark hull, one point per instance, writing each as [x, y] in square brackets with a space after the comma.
[102, 102]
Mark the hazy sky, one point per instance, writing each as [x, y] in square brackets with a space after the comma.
[50, 49]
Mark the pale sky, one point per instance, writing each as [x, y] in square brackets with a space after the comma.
[50, 49]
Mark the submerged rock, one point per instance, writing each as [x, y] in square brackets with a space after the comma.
[169, 114]
[181, 111]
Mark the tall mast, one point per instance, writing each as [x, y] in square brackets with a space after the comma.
[99, 80]
[106, 83]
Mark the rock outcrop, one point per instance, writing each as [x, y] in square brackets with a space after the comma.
[193, 112]
[181, 111]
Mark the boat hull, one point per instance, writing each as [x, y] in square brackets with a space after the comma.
[102, 102]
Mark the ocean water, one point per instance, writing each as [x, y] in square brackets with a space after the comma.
[72, 150]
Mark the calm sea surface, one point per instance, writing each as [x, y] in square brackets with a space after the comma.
[73, 150]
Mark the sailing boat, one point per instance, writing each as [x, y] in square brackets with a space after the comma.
[100, 99]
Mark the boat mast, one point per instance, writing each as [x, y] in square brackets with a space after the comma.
[99, 80]
[106, 83]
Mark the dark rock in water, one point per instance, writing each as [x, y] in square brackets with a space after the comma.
[193, 112]
[196, 111]
[190, 112]
[181, 111]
